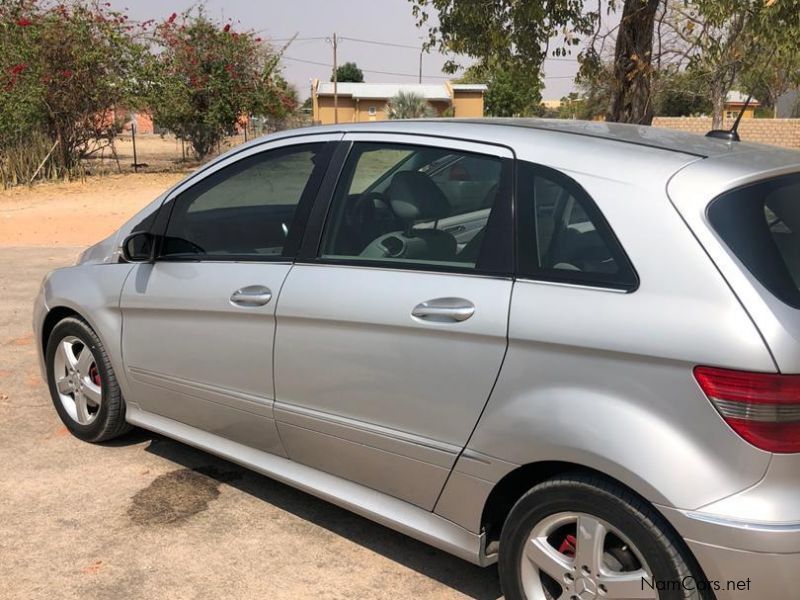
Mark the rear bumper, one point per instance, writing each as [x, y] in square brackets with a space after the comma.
[742, 559]
[738, 574]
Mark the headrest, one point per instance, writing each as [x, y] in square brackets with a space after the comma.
[415, 197]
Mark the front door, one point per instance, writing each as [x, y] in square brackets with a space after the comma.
[390, 338]
[198, 323]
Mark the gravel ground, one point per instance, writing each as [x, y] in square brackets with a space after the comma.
[147, 517]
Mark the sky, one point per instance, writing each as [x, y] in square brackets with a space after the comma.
[384, 21]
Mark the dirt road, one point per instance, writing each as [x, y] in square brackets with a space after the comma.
[146, 517]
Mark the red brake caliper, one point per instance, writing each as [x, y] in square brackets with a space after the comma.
[567, 547]
[95, 375]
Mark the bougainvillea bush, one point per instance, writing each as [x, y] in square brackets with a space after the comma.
[70, 69]
[207, 78]
[63, 69]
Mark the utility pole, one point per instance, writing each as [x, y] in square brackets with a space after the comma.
[421, 50]
[335, 84]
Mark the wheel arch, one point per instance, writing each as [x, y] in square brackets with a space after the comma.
[53, 317]
[514, 484]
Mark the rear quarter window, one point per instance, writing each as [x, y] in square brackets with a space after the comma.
[760, 223]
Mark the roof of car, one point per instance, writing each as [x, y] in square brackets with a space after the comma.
[669, 140]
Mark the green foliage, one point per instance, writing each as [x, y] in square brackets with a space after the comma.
[207, 78]
[349, 71]
[748, 41]
[63, 68]
[408, 105]
[509, 36]
[510, 93]
[682, 94]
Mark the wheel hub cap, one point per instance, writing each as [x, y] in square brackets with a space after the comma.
[585, 588]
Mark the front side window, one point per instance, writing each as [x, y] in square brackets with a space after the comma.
[413, 204]
[563, 237]
[760, 223]
[246, 210]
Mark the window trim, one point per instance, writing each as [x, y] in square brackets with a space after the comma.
[302, 212]
[578, 279]
[500, 263]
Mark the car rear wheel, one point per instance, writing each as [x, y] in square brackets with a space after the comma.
[82, 384]
[580, 537]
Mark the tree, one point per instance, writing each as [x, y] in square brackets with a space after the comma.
[349, 71]
[631, 98]
[736, 40]
[681, 93]
[63, 70]
[408, 105]
[206, 77]
[515, 35]
[507, 37]
[508, 94]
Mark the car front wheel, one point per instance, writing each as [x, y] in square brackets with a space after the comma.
[580, 537]
[82, 383]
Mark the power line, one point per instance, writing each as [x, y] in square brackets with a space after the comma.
[415, 75]
[323, 64]
[397, 45]
[378, 43]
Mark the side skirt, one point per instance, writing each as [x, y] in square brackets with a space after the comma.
[371, 504]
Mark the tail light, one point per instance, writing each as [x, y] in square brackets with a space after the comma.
[763, 408]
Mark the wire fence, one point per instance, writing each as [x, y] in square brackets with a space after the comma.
[32, 158]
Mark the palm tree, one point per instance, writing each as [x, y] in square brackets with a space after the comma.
[408, 105]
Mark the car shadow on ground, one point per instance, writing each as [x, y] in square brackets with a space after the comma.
[470, 580]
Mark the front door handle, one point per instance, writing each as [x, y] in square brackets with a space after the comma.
[444, 310]
[252, 295]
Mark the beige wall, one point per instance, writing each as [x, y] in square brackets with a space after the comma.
[467, 104]
[778, 132]
[357, 111]
[325, 112]
[363, 110]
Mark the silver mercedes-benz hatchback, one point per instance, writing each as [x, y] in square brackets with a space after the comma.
[571, 348]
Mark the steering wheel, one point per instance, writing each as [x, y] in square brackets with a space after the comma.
[363, 211]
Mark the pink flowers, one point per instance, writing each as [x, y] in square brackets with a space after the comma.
[227, 28]
[23, 22]
[172, 18]
[17, 69]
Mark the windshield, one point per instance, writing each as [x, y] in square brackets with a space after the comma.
[761, 225]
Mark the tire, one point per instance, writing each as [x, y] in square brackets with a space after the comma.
[89, 402]
[640, 542]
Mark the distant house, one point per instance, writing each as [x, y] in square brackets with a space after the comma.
[359, 102]
[734, 102]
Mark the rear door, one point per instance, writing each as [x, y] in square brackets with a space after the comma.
[391, 328]
[198, 323]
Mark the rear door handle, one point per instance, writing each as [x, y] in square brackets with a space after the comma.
[252, 295]
[444, 310]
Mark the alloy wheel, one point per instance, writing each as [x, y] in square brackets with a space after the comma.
[77, 380]
[577, 556]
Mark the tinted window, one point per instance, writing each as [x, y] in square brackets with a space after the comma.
[761, 225]
[246, 209]
[563, 236]
[413, 204]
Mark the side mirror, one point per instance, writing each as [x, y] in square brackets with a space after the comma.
[139, 247]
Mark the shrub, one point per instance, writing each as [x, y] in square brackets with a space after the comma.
[63, 69]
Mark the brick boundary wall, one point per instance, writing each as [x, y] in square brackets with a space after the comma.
[778, 132]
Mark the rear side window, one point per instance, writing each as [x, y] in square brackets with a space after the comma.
[563, 237]
[760, 223]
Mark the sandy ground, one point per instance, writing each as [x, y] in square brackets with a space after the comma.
[147, 517]
[76, 213]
